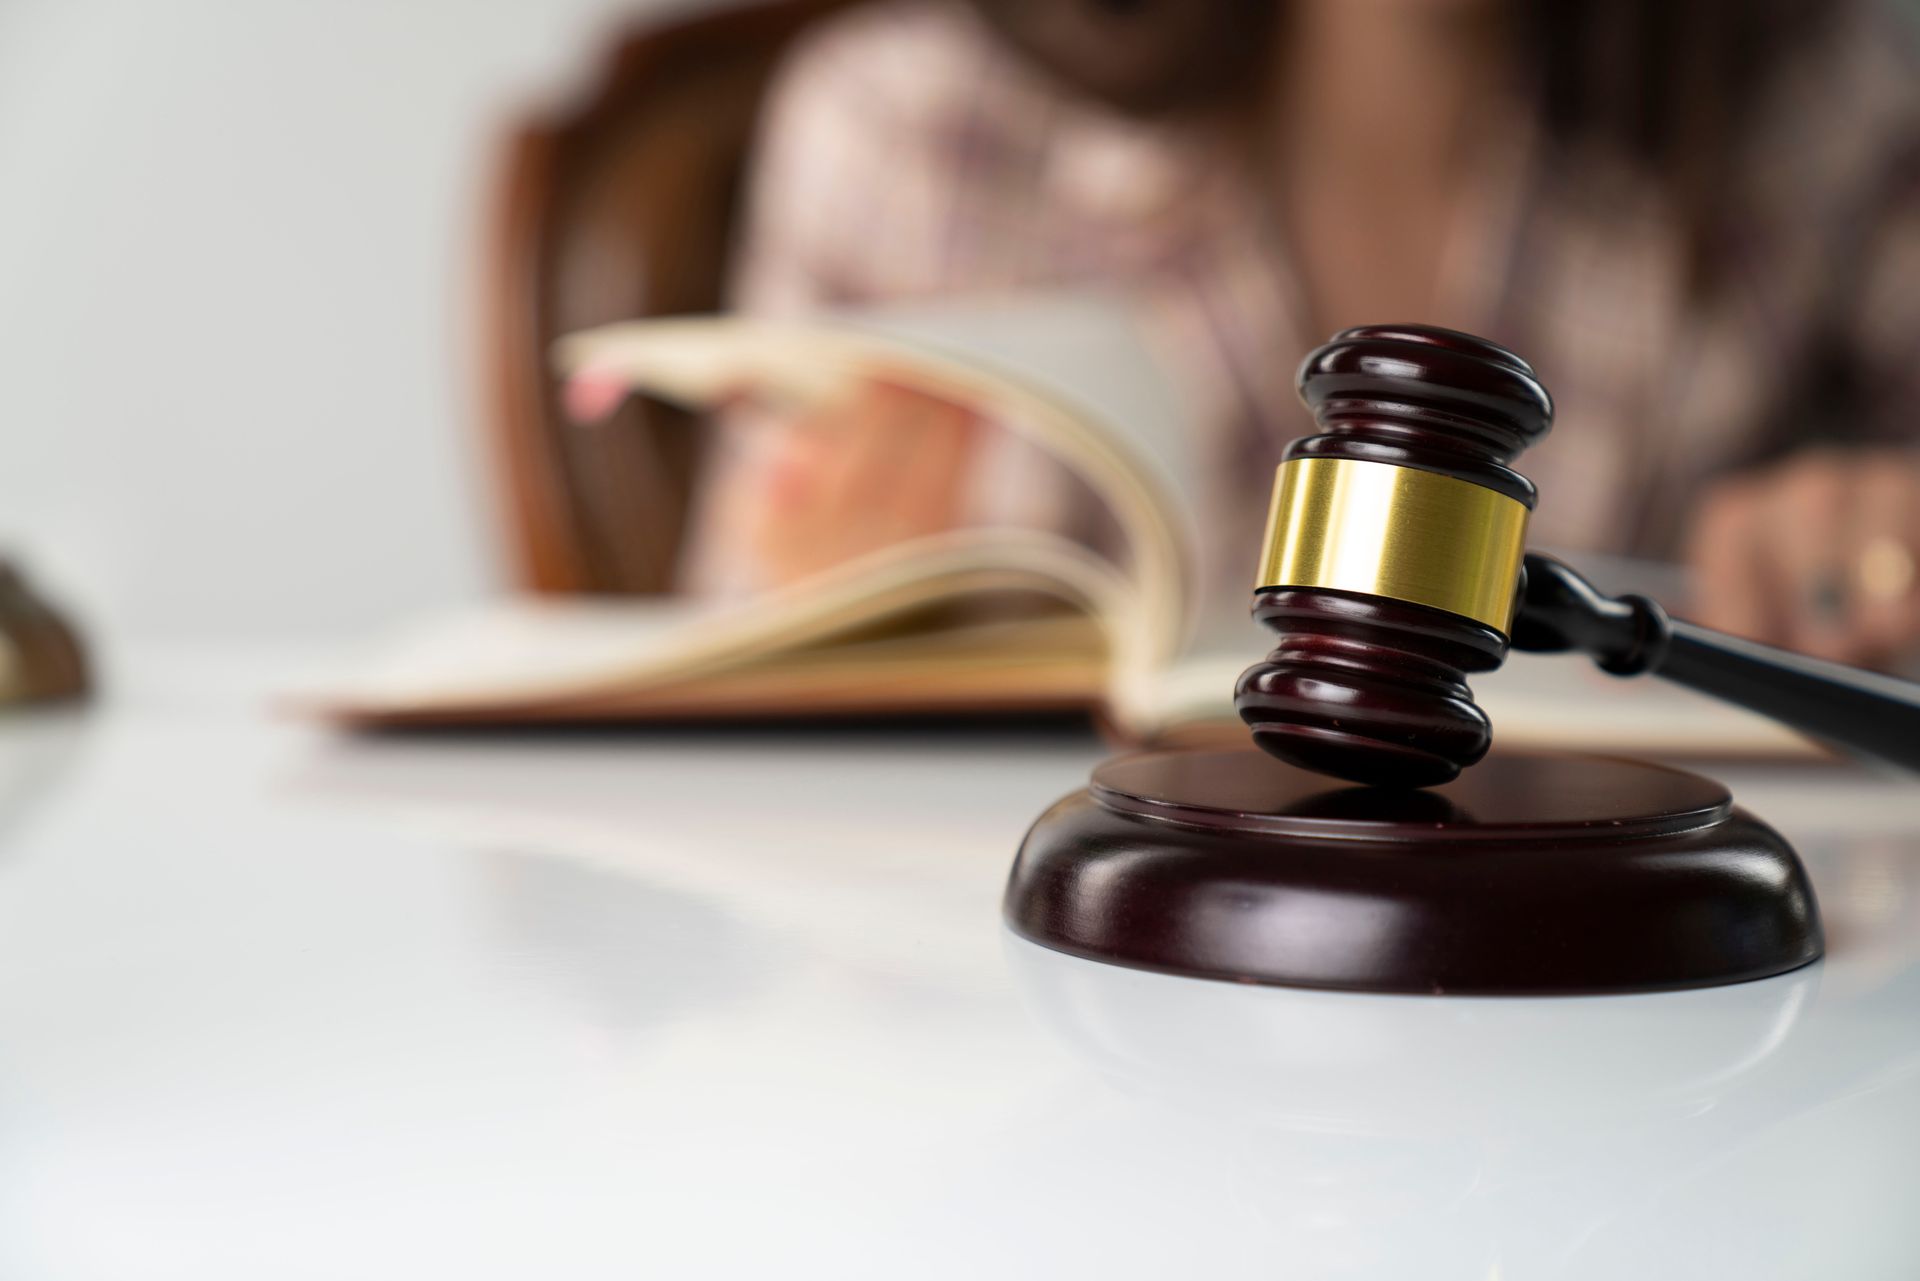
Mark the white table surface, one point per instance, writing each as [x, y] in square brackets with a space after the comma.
[279, 1005]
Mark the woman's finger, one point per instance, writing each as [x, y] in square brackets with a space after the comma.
[929, 487]
[1801, 529]
[800, 467]
[908, 468]
[882, 466]
[592, 395]
[1723, 556]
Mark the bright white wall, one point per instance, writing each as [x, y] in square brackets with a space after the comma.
[236, 249]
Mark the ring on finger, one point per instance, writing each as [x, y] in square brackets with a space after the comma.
[1884, 569]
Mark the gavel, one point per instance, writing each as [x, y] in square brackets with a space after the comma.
[1395, 566]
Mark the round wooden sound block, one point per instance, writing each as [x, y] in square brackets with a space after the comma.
[1528, 875]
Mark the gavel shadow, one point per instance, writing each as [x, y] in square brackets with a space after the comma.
[1400, 806]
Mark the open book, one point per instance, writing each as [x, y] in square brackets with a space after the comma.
[995, 619]
[976, 620]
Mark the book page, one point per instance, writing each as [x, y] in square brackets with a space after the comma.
[539, 654]
[1091, 355]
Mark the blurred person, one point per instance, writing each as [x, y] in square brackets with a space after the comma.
[1700, 221]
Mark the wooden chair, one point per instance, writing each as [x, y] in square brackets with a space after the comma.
[622, 204]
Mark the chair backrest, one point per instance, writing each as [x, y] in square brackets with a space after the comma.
[623, 204]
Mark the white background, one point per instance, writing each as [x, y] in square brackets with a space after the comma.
[238, 242]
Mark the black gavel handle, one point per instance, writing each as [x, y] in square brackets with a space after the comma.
[1628, 635]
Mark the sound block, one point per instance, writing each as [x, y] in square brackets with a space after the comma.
[1527, 875]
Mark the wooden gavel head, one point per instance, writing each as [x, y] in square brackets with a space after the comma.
[1392, 565]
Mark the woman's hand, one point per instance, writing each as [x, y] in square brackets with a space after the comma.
[1817, 553]
[884, 466]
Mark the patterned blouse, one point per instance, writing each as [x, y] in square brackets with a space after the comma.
[906, 155]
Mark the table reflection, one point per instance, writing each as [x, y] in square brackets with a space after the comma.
[1458, 1136]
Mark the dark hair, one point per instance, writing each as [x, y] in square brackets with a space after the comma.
[1142, 56]
[1668, 85]
[1671, 86]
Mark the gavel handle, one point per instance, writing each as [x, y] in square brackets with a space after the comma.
[1862, 711]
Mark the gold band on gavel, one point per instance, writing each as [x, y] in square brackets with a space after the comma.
[1398, 532]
